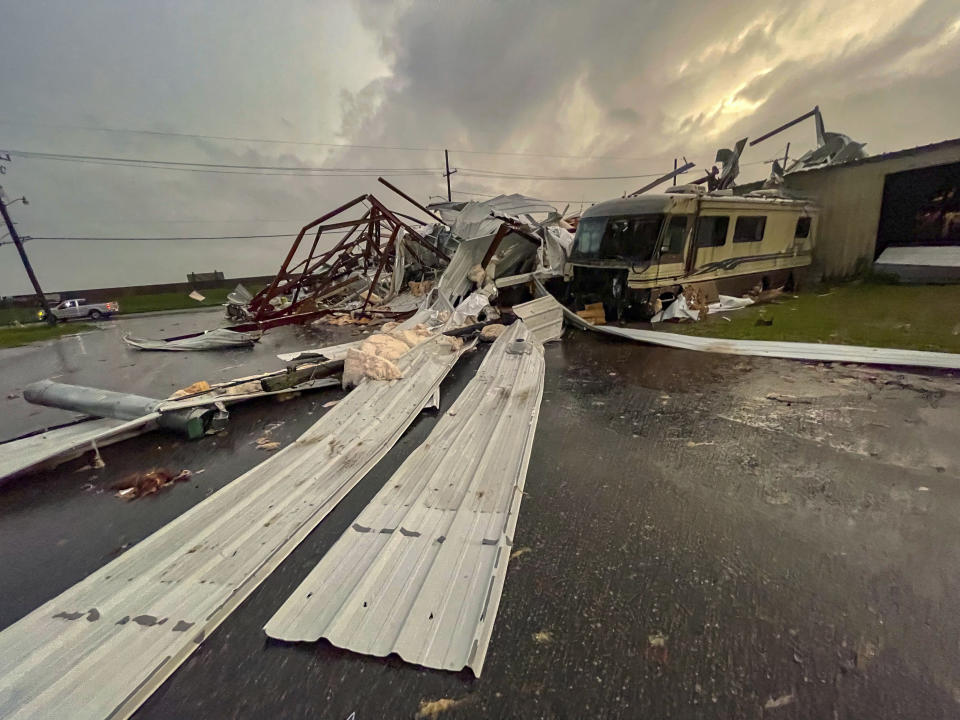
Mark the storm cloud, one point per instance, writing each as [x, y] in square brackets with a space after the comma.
[631, 85]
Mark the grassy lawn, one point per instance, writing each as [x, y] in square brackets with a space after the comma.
[136, 304]
[16, 336]
[171, 301]
[920, 317]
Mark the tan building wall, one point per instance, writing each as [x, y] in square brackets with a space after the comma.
[851, 197]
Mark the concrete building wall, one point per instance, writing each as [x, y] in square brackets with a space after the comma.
[851, 199]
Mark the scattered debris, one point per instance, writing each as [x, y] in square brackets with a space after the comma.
[197, 387]
[866, 652]
[265, 443]
[594, 314]
[543, 637]
[148, 483]
[194, 295]
[330, 404]
[519, 552]
[657, 648]
[431, 709]
[773, 703]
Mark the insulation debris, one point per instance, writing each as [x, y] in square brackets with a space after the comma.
[197, 387]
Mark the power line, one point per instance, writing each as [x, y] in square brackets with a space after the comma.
[473, 172]
[193, 165]
[151, 239]
[274, 141]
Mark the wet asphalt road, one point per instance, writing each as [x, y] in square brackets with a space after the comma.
[688, 547]
[99, 358]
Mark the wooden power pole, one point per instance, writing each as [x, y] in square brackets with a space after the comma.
[448, 173]
[48, 316]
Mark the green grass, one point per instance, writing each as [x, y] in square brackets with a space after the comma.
[16, 336]
[171, 301]
[915, 317]
[18, 314]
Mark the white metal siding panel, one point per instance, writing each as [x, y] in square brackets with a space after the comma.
[102, 647]
[543, 317]
[421, 571]
[767, 348]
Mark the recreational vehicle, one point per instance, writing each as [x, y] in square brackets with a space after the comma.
[632, 252]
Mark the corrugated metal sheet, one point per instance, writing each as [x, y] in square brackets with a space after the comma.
[787, 350]
[421, 570]
[543, 316]
[102, 647]
[454, 285]
[66, 443]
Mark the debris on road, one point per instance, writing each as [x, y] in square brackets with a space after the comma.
[657, 648]
[432, 709]
[457, 495]
[783, 700]
[218, 339]
[147, 483]
[310, 477]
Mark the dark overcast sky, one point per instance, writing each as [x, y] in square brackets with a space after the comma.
[637, 82]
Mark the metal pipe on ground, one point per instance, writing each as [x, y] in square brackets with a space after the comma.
[192, 422]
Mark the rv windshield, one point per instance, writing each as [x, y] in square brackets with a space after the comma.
[630, 238]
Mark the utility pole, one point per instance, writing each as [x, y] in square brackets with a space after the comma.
[448, 173]
[786, 157]
[674, 169]
[48, 316]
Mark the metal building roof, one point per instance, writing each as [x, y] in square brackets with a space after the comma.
[421, 570]
[99, 649]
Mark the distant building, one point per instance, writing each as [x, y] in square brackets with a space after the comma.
[214, 276]
[907, 198]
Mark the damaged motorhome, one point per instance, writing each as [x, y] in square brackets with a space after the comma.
[635, 254]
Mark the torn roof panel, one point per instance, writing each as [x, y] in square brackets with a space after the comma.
[821, 352]
[115, 636]
[421, 570]
[476, 219]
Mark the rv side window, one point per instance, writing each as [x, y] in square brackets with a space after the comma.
[803, 228]
[672, 247]
[749, 229]
[712, 231]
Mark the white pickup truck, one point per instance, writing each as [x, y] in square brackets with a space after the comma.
[73, 309]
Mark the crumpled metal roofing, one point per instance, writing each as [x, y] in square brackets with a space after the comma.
[421, 570]
[99, 649]
[821, 352]
[209, 340]
[476, 220]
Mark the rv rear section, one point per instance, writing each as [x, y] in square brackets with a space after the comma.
[634, 254]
